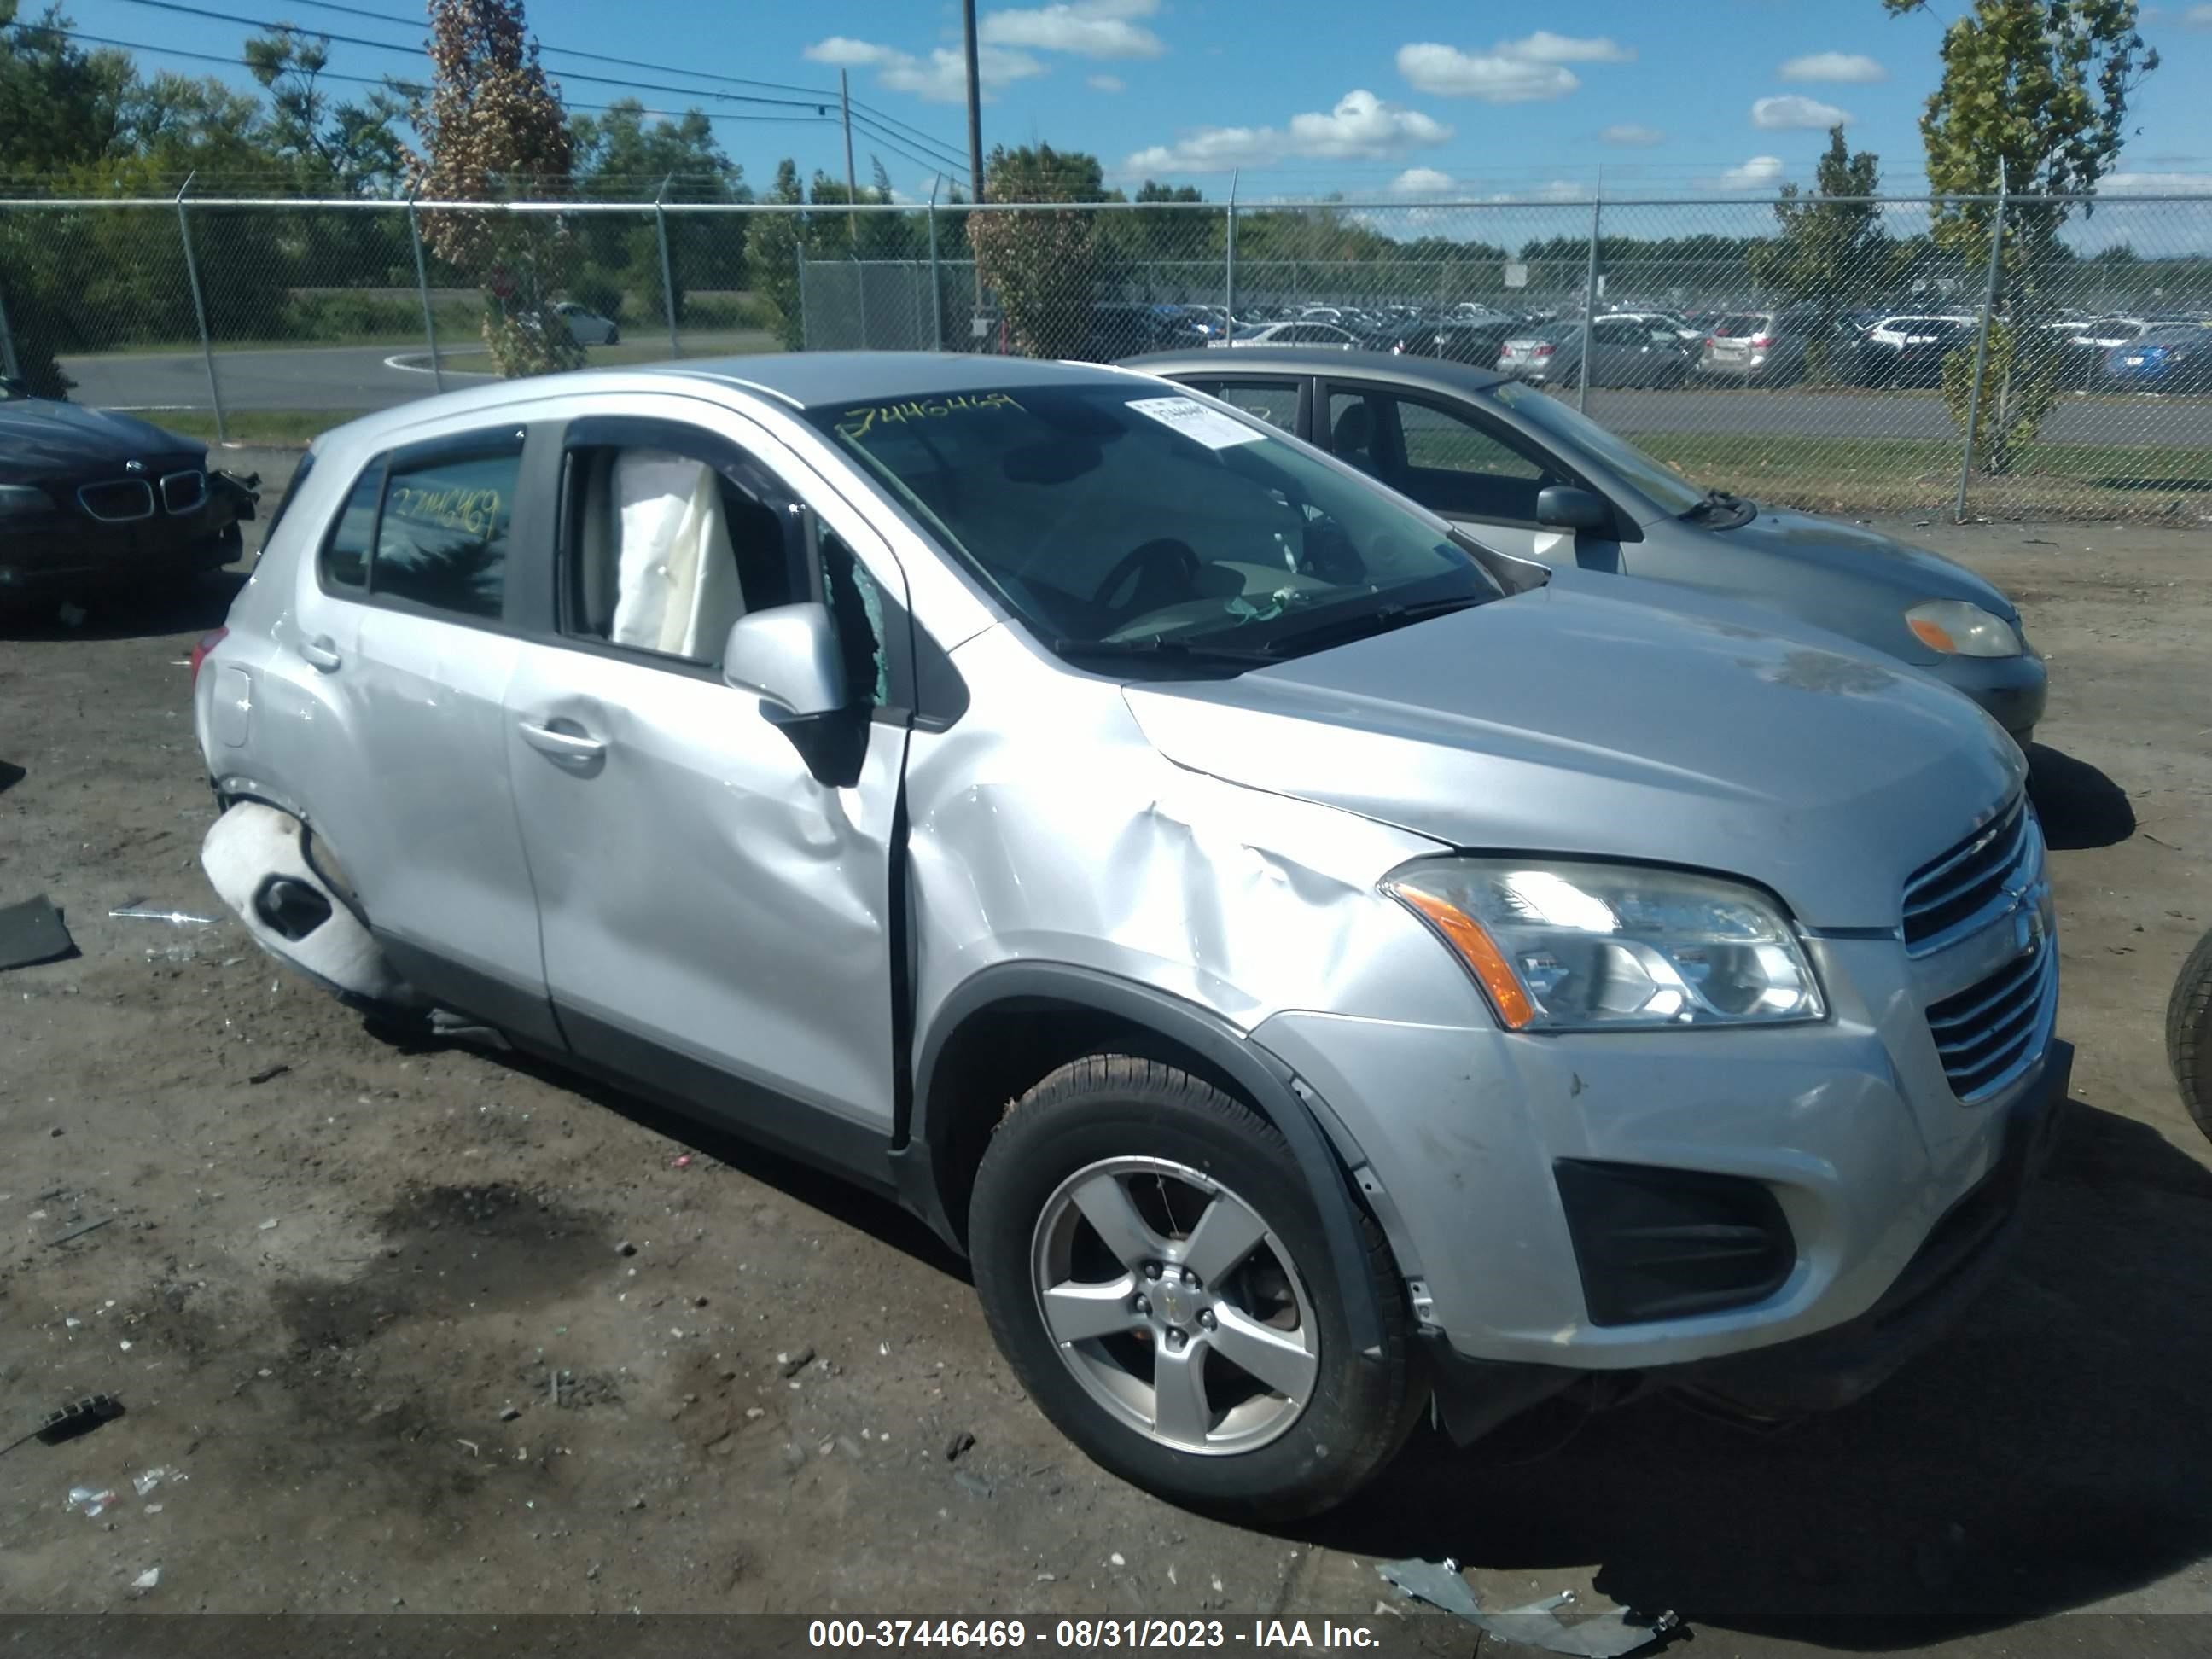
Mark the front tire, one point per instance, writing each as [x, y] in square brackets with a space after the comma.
[1155, 1269]
[2189, 1033]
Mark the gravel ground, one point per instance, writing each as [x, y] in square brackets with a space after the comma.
[433, 1330]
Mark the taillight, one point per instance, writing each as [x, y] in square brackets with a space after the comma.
[207, 643]
[1712, 339]
[1760, 342]
[1541, 351]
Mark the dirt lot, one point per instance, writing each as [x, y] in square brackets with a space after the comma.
[435, 1331]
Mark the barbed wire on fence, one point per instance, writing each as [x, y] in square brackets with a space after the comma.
[1887, 353]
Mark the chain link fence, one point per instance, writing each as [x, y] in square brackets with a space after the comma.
[2026, 357]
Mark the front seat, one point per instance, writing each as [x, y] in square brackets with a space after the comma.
[1352, 438]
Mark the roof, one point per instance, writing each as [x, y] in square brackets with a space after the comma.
[1434, 373]
[812, 378]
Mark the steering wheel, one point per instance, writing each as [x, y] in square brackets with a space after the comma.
[1161, 564]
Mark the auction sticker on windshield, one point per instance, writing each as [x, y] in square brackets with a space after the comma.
[1196, 421]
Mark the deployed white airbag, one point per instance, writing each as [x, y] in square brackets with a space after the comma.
[677, 581]
[250, 847]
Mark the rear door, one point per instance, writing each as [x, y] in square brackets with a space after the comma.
[714, 886]
[1278, 400]
[411, 627]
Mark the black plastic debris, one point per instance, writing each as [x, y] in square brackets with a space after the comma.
[1602, 1635]
[79, 1417]
[33, 932]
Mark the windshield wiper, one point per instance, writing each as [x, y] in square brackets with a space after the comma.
[1367, 623]
[1158, 647]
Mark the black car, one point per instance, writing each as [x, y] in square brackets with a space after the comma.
[1464, 342]
[92, 500]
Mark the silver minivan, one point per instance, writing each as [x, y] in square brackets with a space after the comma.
[1313, 965]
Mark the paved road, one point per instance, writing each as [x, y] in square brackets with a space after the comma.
[303, 377]
[361, 378]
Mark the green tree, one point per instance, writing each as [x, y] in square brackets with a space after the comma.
[620, 156]
[493, 126]
[1043, 267]
[773, 249]
[60, 106]
[2032, 104]
[1832, 251]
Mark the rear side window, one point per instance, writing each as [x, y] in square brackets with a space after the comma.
[291, 494]
[441, 535]
[345, 553]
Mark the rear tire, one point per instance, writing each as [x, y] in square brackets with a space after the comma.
[1102, 1189]
[2189, 1033]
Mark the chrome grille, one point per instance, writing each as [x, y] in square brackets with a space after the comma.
[119, 499]
[1970, 886]
[1989, 1033]
[184, 492]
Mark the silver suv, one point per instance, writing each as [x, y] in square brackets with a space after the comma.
[1313, 965]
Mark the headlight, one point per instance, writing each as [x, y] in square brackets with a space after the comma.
[1957, 628]
[1589, 947]
[23, 498]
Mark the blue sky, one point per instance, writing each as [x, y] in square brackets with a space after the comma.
[1412, 99]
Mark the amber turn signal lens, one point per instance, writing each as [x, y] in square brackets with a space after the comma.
[1484, 960]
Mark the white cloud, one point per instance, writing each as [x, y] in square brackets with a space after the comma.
[1629, 133]
[2198, 17]
[1546, 47]
[1087, 28]
[1361, 127]
[1423, 181]
[2153, 184]
[940, 78]
[1794, 110]
[1526, 71]
[1757, 174]
[1851, 68]
[1447, 72]
[1103, 83]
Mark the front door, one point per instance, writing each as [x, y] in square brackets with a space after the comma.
[714, 886]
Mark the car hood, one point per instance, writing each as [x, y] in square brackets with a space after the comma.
[1854, 550]
[1568, 722]
[39, 435]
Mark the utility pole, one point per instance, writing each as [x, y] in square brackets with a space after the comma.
[974, 104]
[851, 183]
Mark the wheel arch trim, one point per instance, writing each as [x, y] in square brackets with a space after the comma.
[1270, 1085]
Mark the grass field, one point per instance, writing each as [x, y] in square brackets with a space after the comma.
[1846, 475]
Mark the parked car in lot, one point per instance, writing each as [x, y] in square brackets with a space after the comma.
[2164, 357]
[1526, 474]
[1462, 342]
[1759, 348]
[1624, 351]
[1119, 328]
[96, 502]
[1909, 351]
[1410, 975]
[586, 325]
[1292, 333]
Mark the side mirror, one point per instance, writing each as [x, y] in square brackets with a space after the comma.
[1563, 506]
[787, 656]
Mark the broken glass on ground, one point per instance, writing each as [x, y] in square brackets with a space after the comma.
[1602, 1635]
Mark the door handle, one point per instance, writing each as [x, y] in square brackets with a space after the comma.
[575, 748]
[321, 652]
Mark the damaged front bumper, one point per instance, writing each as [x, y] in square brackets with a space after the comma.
[1966, 1250]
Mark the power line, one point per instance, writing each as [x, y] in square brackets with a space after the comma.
[398, 84]
[819, 106]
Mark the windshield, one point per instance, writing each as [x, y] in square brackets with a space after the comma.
[1124, 514]
[1665, 486]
